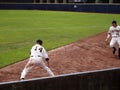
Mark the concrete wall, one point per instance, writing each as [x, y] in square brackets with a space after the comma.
[60, 1]
[100, 8]
[108, 79]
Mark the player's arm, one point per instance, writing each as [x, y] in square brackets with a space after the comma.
[119, 28]
[108, 35]
[107, 39]
[44, 53]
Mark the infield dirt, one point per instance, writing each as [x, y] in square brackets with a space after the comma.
[85, 55]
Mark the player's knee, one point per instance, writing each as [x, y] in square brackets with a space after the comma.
[111, 45]
[26, 70]
[45, 67]
[119, 45]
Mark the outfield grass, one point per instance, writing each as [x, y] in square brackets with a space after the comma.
[20, 28]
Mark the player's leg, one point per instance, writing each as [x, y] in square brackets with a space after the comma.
[42, 64]
[119, 48]
[27, 68]
[112, 43]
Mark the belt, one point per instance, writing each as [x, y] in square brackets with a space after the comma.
[35, 56]
[115, 36]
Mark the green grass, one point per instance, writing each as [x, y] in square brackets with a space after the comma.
[19, 30]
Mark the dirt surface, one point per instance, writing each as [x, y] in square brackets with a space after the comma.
[85, 55]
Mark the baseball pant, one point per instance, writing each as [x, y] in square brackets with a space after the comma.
[115, 40]
[31, 63]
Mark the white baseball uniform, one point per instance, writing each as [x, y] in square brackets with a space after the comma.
[115, 34]
[37, 53]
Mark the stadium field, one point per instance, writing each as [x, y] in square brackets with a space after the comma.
[20, 28]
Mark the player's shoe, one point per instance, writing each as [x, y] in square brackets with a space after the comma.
[114, 50]
[21, 79]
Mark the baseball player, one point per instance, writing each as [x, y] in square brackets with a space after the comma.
[114, 32]
[36, 58]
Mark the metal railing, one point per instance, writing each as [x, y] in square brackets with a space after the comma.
[107, 79]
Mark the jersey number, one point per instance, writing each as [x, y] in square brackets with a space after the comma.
[40, 49]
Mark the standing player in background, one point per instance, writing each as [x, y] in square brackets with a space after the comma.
[114, 32]
[37, 54]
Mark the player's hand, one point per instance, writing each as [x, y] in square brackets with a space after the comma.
[106, 41]
[47, 59]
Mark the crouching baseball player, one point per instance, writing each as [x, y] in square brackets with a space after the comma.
[36, 58]
[114, 32]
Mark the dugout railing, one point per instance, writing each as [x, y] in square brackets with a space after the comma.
[107, 79]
